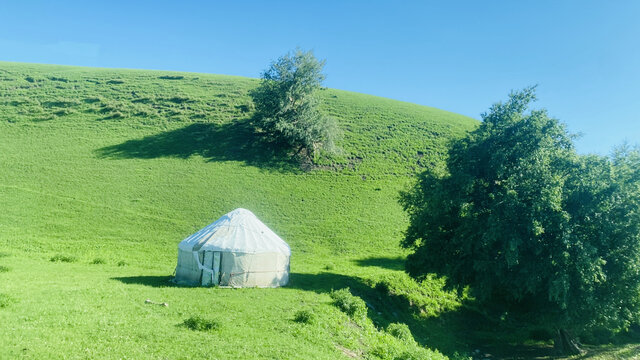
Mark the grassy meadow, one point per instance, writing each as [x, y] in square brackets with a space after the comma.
[103, 172]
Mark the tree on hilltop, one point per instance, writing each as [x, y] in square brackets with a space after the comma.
[287, 104]
[536, 231]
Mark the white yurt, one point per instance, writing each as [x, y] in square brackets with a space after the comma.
[237, 250]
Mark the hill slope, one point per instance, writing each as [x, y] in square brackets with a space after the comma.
[106, 171]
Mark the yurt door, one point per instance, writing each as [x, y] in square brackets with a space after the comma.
[211, 261]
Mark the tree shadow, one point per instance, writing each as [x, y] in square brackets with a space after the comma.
[233, 141]
[462, 330]
[153, 281]
[392, 263]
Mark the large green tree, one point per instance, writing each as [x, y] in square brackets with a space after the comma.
[532, 228]
[287, 104]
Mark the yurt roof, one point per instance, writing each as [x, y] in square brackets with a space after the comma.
[238, 231]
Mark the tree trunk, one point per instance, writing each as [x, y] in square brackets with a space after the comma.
[565, 344]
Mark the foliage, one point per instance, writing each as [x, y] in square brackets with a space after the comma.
[400, 331]
[199, 323]
[304, 316]
[3, 269]
[98, 261]
[350, 304]
[534, 229]
[287, 106]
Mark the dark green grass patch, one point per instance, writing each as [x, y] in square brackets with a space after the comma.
[98, 261]
[5, 300]
[63, 258]
[171, 77]
[198, 323]
[305, 316]
[4, 269]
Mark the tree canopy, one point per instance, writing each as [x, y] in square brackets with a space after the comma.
[287, 104]
[531, 227]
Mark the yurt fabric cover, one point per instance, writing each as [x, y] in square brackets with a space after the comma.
[237, 250]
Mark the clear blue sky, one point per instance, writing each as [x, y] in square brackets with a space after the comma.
[460, 56]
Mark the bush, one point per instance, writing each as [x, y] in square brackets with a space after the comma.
[388, 350]
[63, 258]
[597, 336]
[400, 331]
[171, 77]
[351, 305]
[305, 317]
[198, 323]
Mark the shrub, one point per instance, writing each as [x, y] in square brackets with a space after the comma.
[387, 349]
[98, 261]
[198, 323]
[171, 77]
[351, 305]
[63, 258]
[305, 317]
[597, 336]
[400, 331]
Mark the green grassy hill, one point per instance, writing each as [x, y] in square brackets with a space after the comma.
[103, 172]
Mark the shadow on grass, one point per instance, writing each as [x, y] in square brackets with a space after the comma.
[444, 333]
[392, 263]
[233, 141]
[462, 330]
[153, 281]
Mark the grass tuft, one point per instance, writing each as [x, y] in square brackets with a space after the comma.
[350, 304]
[4, 269]
[98, 261]
[305, 317]
[401, 331]
[122, 263]
[63, 258]
[5, 300]
[198, 323]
